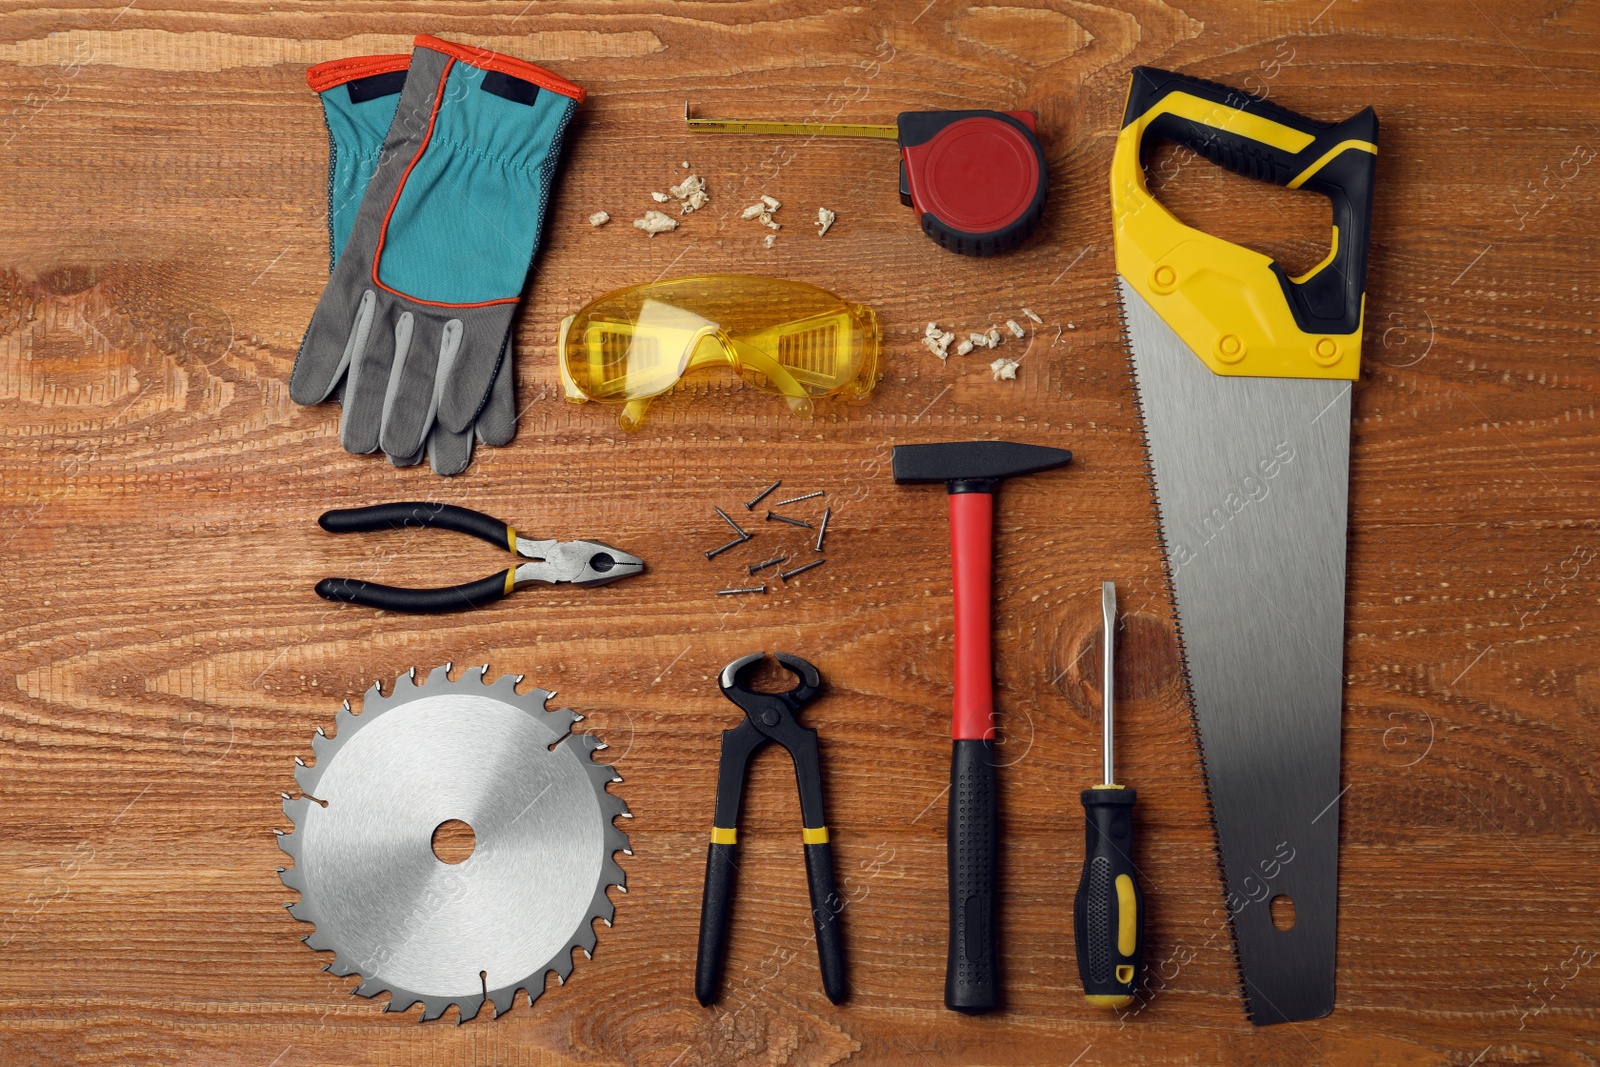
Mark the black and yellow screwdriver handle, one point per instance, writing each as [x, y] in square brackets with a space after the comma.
[1308, 326]
[1108, 911]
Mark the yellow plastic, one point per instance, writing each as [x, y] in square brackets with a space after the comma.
[1222, 300]
[782, 337]
[1127, 918]
[814, 835]
[724, 835]
[1101, 1000]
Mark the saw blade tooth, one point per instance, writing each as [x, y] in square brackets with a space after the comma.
[346, 719]
[560, 720]
[439, 676]
[585, 938]
[601, 907]
[318, 939]
[562, 964]
[292, 878]
[472, 674]
[371, 987]
[505, 686]
[467, 1008]
[342, 968]
[433, 1008]
[501, 1000]
[614, 875]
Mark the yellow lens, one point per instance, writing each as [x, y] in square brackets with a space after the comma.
[782, 337]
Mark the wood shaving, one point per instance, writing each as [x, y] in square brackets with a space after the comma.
[979, 340]
[766, 241]
[772, 204]
[1072, 326]
[824, 220]
[599, 218]
[655, 222]
[1004, 369]
[1029, 312]
[992, 337]
[684, 164]
[937, 341]
[964, 348]
[691, 192]
[660, 198]
[1016, 330]
[762, 212]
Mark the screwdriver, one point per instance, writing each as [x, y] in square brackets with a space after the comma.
[1108, 912]
[976, 179]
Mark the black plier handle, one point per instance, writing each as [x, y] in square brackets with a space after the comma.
[769, 717]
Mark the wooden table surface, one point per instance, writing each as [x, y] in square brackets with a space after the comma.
[165, 660]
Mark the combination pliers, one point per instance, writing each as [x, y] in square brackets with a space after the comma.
[769, 717]
[579, 562]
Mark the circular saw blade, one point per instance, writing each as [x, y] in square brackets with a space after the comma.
[394, 913]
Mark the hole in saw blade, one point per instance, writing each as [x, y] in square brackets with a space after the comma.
[453, 841]
[1282, 912]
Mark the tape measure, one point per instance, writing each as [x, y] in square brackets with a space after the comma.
[976, 179]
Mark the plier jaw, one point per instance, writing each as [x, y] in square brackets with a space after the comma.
[578, 562]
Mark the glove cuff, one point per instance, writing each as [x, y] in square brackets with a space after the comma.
[484, 59]
[335, 72]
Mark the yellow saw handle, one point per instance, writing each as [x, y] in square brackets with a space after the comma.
[1233, 306]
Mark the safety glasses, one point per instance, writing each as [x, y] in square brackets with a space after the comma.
[782, 337]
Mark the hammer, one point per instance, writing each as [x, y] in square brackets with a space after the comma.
[969, 470]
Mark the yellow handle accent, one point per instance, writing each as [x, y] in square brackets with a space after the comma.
[511, 580]
[1322, 161]
[1100, 1000]
[724, 835]
[814, 835]
[1127, 920]
[1222, 300]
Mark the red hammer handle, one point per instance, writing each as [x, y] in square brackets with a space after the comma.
[971, 542]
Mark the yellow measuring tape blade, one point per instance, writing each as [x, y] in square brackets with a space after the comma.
[815, 129]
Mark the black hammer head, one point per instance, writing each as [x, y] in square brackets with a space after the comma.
[973, 466]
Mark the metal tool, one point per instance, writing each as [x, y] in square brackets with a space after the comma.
[394, 912]
[1108, 910]
[769, 717]
[582, 563]
[970, 471]
[976, 179]
[1243, 379]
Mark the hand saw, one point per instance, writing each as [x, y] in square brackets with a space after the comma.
[1243, 376]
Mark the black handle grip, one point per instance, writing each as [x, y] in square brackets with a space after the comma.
[1108, 911]
[971, 983]
[416, 514]
[416, 601]
[1326, 157]
[825, 909]
[715, 905]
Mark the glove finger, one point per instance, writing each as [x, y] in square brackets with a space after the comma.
[466, 390]
[367, 379]
[497, 422]
[408, 461]
[412, 397]
[449, 452]
[337, 336]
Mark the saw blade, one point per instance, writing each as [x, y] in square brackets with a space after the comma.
[1251, 482]
[404, 920]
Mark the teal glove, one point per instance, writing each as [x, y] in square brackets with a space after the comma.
[415, 318]
[359, 96]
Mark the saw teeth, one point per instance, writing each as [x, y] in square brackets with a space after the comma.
[325, 750]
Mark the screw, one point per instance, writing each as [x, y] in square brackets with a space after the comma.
[827, 513]
[736, 528]
[731, 544]
[762, 566]
[786, 575]
[784, 518]
[748, 589]
[797, 499]
[759, 497]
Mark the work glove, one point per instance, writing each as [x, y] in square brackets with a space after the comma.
[415, 322]
[359, 96]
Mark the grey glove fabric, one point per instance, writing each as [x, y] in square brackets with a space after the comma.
[414, 326]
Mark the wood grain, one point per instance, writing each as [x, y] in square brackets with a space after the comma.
[165, 660]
